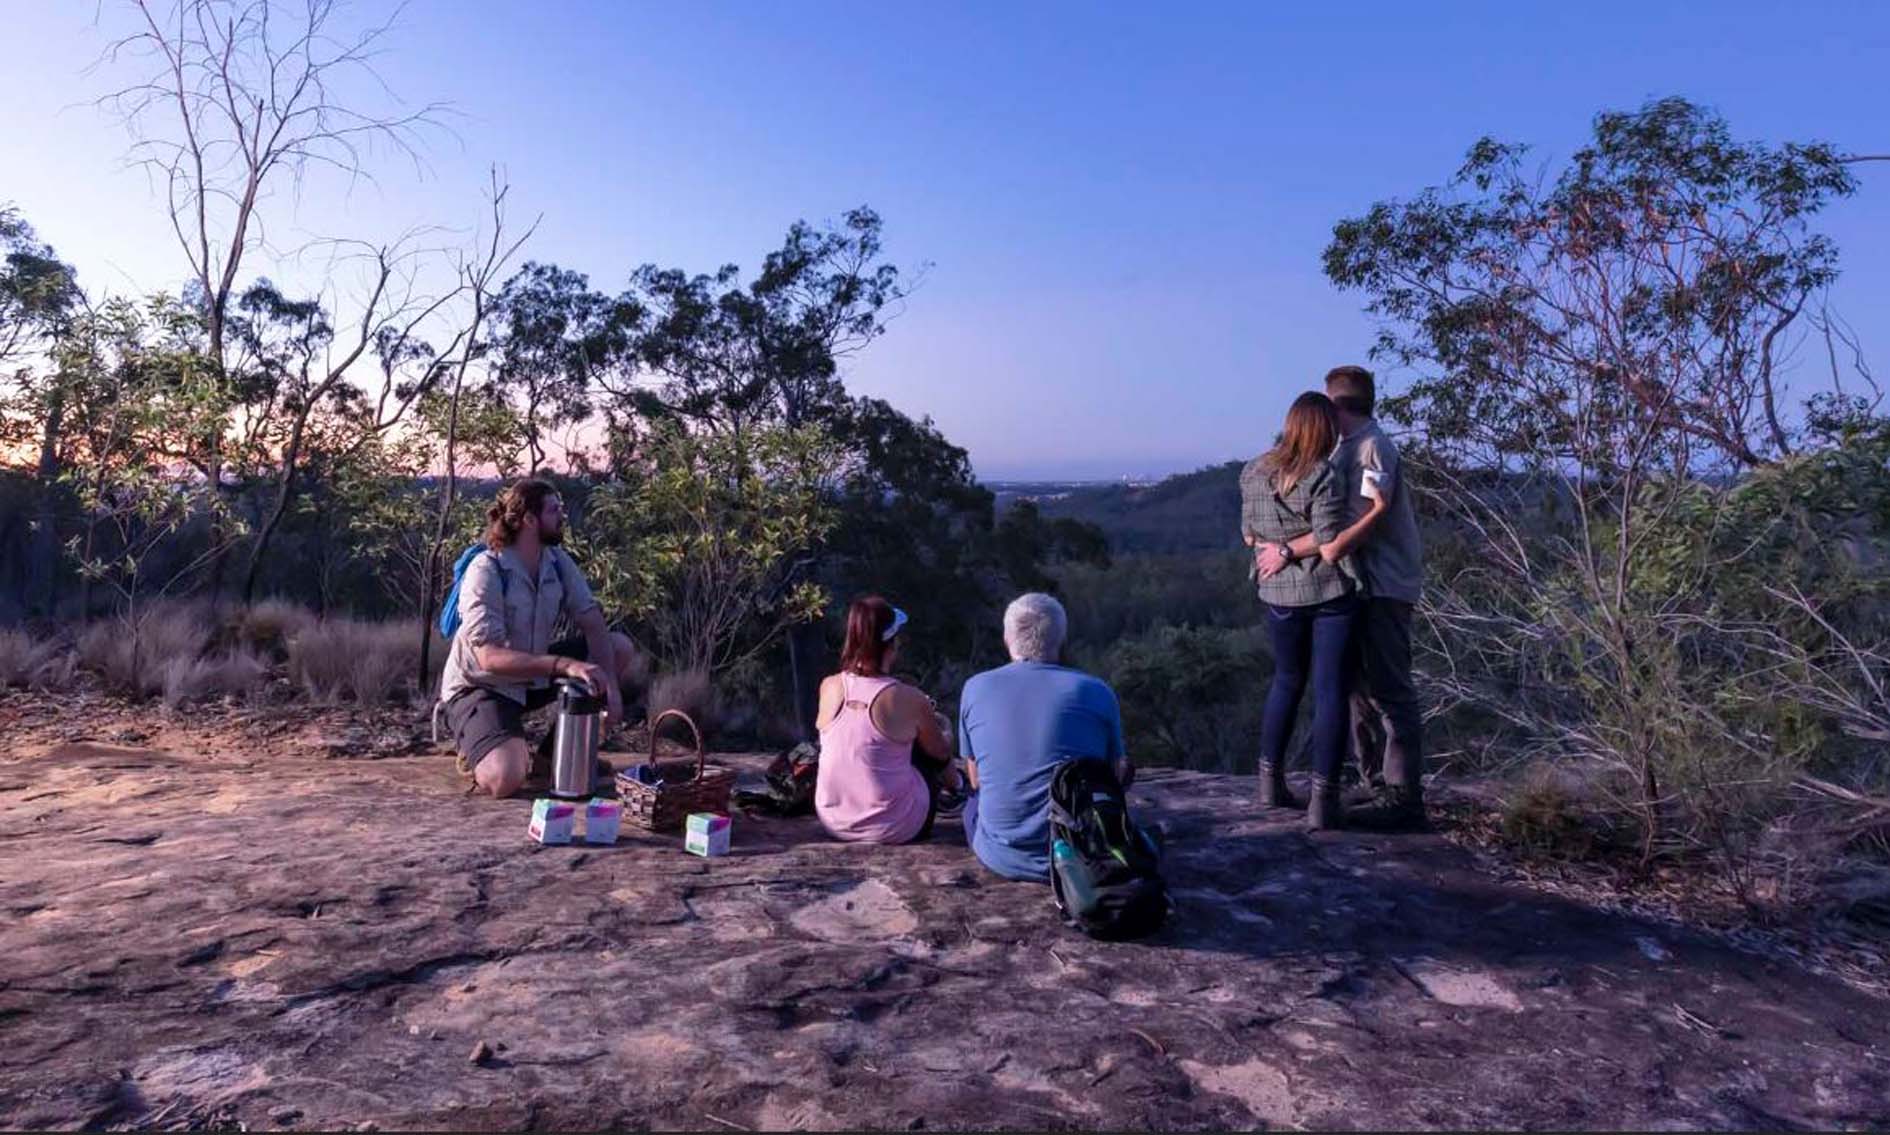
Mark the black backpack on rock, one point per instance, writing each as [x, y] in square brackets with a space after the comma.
[790, 784]
[1105, 871]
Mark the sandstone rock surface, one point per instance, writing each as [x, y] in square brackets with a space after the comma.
[199, 931]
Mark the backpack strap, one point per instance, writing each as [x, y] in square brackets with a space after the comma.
[498, 565]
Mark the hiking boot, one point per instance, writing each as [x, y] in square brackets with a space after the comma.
[1325, 808]
[1364, 795]
[1273, 790]
[538, 773]
[1402, 810]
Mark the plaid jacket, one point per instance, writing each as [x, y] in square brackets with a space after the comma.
[1317, 505]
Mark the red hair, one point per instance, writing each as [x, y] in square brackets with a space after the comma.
[868, 618]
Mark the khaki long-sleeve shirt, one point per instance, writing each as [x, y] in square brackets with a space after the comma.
[520, 613]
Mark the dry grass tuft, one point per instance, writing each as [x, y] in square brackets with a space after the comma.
[133, 655]
[238, 673]
[33, 663]
[267, 627]
[367, 663]
[1556, 813]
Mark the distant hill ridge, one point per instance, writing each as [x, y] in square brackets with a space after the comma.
[1189, 512]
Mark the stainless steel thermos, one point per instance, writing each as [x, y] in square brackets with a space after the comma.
[578, 732]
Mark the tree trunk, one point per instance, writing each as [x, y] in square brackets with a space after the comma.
[448, 491]
[285, 492]
[804, 666]
[214, 320]
[42, 562]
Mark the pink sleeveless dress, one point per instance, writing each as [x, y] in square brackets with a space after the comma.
[866, 789]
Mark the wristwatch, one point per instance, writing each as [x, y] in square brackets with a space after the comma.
[1286, 551]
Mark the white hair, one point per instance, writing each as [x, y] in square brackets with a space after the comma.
[1034, 627]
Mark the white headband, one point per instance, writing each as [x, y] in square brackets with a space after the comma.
[899, 620]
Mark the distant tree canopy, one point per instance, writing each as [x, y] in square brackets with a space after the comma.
[733, 358]
[325, 437]
[1661, 539]
[248, 436]
[1640, 303]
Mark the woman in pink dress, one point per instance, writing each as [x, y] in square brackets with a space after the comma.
[883, 754]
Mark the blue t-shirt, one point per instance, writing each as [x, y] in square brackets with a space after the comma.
[1019, 722]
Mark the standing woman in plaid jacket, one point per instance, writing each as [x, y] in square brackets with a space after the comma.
[1312, 604]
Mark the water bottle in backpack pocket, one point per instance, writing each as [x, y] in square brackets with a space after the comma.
[1105, 871]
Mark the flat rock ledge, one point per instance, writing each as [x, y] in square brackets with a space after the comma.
[202, 933]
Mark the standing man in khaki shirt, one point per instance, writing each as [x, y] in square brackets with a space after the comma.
[1387, 720]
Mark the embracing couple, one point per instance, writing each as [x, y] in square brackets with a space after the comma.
[1337, 562]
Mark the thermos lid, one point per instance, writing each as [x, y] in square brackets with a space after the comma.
[574, 698]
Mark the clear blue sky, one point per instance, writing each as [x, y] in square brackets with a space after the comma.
[1123, 206]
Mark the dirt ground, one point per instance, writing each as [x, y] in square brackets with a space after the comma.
[287, 921]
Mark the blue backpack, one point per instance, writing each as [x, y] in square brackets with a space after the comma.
[449, 614]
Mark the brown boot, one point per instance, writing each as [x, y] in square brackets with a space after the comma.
[1273, 790]
[1325, 810]
[1402, 811]
[538, 773]
[1371, 794]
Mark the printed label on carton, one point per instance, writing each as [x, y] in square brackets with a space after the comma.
[552, 821]
[601, 820]
[706, 834]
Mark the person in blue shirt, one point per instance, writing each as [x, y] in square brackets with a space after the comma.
[1016, 724]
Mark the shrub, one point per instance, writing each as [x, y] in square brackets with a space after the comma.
[133, 652]
[638, 679]
[705, 540]
[350, 659]
[1551, 813]
[31, 662]
[690, 691]
[238, 673]
[267, 627]
[1191, 696]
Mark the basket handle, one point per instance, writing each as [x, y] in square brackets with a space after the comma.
[702, 756]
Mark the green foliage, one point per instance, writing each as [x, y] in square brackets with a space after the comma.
[1137, 593]
[38, 291]
[386, 496]
[1191, 512]
[1028, 545]
[734, 354]
[916, 527]
[1636, 306]
[554, 334]
[1190, 696]
[706, 542]
[1652, 569]
[136, 385]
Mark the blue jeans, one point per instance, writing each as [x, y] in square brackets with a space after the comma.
[1311, 644]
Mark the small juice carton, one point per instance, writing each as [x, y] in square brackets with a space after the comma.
[706, 834]
[552, 821]
[601, 818]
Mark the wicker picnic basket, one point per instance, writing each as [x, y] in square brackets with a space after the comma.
[662, 807]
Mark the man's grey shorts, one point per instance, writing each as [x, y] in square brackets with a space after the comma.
[482, 720]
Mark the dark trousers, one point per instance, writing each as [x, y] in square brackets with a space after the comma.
[1311, 645]
[1387, 721]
